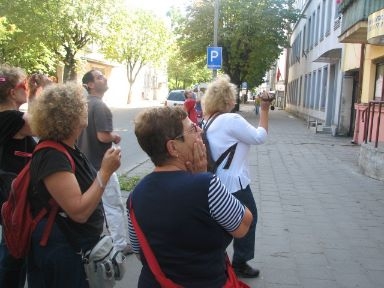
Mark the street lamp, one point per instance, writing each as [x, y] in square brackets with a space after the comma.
[215, 28]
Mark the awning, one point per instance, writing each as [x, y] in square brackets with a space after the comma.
[331, 56]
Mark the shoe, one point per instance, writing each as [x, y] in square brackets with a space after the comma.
[246, 271]
[127, 250]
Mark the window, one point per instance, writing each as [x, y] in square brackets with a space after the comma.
[328, 20]
[324, 89]
[323, 20]
[379, 82]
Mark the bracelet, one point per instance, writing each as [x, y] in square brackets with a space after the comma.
[102, 186]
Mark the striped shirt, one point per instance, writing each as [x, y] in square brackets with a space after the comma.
[224, 208]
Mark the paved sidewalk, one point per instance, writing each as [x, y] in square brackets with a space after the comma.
[321, 222]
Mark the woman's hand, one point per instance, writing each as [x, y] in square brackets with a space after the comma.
[264, 105]
[266, 101]
[111, 162]
[199, 158]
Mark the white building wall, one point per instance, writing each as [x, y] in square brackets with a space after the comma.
[314, 63]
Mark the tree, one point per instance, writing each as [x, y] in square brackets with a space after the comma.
[6, 29]
[183, 73]
[136, 39]
[15, 50]
[57, 29]
[251, 32]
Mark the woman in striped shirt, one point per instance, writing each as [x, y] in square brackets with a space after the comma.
[187, 215]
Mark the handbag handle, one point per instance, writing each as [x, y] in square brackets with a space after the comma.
[148, 253]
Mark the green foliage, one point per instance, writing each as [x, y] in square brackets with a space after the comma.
[53, 32]
[14, 50]
[128, 183]
[183, 72]
[251, 32]
[136, 38]
[6, 29]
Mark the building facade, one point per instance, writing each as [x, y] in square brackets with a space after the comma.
[362, 30]
[335, 70]
[314, 67]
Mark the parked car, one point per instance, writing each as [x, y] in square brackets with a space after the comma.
[175, 98]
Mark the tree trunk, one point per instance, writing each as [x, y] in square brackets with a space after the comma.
[69, 67]
[129, 99]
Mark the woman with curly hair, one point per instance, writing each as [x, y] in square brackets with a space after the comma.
[60, 114]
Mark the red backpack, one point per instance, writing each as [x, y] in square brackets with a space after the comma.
[17, 220]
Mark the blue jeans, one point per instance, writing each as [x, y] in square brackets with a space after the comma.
[12, 271]
[244, 248]
[55, 265]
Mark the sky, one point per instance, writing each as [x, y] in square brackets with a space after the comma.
[160, 7]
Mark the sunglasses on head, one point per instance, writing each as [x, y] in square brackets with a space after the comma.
[21, 85]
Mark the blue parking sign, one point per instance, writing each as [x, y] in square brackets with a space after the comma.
[214, 57]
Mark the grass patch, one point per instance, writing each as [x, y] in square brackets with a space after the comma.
[128, 183]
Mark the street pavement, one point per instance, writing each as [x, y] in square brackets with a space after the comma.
[321, 222]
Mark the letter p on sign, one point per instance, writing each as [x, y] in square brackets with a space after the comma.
[214, 57]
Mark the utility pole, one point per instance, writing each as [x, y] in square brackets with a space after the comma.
[215, 28]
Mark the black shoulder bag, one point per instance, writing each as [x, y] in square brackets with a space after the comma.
[212, 164]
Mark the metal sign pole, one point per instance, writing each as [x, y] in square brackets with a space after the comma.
[215, 28]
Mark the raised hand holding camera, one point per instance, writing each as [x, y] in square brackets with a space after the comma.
[267, 99]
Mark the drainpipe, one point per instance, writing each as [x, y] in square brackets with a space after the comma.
[286, 77]
[361, 72]
[358, 114]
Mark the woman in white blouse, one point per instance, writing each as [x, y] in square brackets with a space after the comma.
[226, 130]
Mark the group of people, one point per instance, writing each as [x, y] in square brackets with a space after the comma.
[193, 107]
[88, 196]
[189, 237]
[189, 216]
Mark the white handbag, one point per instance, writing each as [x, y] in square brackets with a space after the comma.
[103, 264]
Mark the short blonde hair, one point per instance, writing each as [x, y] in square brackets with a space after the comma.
[219, 94]
[58, 111]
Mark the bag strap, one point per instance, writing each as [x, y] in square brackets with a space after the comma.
[52, 203]
[17, 153]
[231, 150]
[209, 121]
[148, 253]
[1, 154]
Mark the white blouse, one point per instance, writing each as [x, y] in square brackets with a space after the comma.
[226, 130]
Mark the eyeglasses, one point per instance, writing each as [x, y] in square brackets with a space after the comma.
[21, 85]
[194, 129]
[100, 77]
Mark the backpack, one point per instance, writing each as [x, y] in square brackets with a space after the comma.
[7, 177]
[212, 164]
[17, 220]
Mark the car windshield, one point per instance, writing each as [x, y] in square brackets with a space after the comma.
[176, 96]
